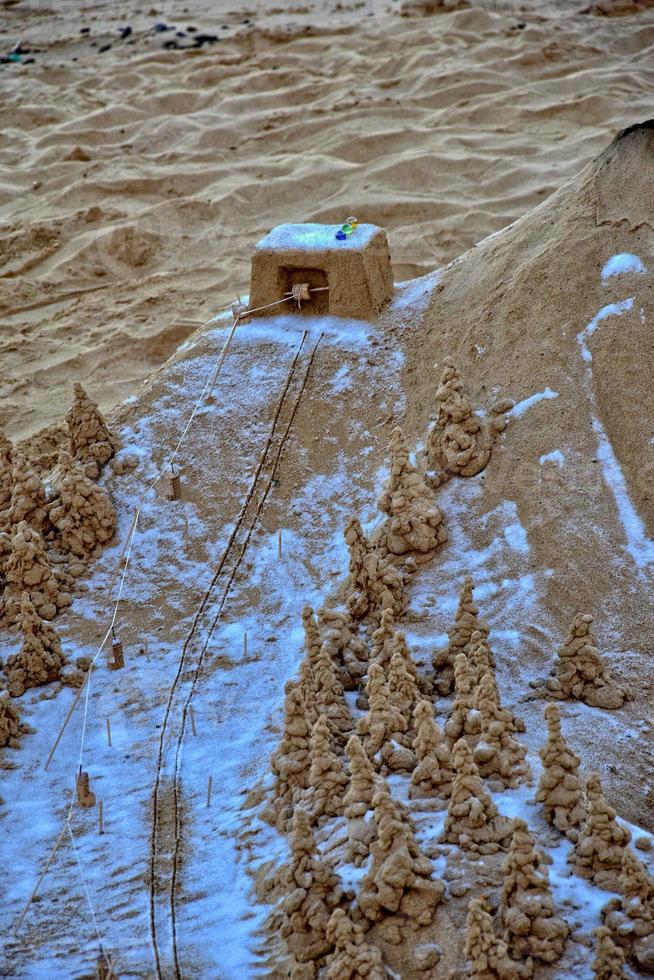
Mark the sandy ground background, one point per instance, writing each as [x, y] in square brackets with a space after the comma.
[137, 172]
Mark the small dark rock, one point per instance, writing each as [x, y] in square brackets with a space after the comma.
[125, 31]
[160, 27]
[201, 39]
[85, 30]
[105, 47]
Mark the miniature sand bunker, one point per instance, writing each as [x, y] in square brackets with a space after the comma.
[580, 671]
[82, 511]
[459, 442]
[415, 523]
[354, 275]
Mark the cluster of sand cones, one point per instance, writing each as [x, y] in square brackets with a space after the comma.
[361, 714]
[49, 531]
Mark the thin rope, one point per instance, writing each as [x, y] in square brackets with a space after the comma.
[85, 883]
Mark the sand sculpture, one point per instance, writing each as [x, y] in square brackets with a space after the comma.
[402, 686]
[480, 655]
[498, 755]
[384, 724]
[460, 442]
[464, 720]
[345, 649]
[559, 789]
[609, 958]
[82, 511]
[466, 624]
[353, 958]
[307, 667]
[432, 777]
[11, 727]
[89, 438]
[599, 849]
[487, 702]
[415, 523]
[330, 698]
[327, 779]
[6, 474]
[400, 877]
[526, 912]
[373, 583]
[292, 760]
[313, 892]
[357, 802]
[40, 658]
[487, 955]
[631, 917]
[27, 570]
[27, 501]
[473, 821]
[580, 671]
[383, 639]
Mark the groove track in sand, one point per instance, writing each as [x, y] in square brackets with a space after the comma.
[167, 818]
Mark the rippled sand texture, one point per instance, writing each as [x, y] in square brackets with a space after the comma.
[134, 182]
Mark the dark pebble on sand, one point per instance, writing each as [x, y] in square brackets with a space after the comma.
[160, 27]
[191, 30]
[105, 47]
[85, 30]
[201, 39]
[126, 31]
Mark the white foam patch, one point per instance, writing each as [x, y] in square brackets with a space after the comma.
[556, 456]
[611, 309]
[516, 537]
[620, 263]
[521, 407]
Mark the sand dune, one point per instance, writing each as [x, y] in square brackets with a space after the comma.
[134, 182]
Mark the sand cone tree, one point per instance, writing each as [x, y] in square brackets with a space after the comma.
[28, 570]
[82, 511]
[432, 777]
[89, 438]
[464, 719]
[526, 912]
[27, 501]
[347, 651]
[373, 583]
[631, 917]
[599, 850]
[498, 755]
[40, 659]
[466, 623]
[291, 762]
[580, 671]
[560, 790]
[307, 667]
[357, 802]
[609, 958]
[327, 778]
[313, 892]
[473, 821]
[11, 727]
[400, 877]
[480, 656]
[415, 524]
[6, 477]
[383, 723]
[402, 686]
[383, 640]
[330, 698]
[486, 954]
[353, 958]
[460, 442]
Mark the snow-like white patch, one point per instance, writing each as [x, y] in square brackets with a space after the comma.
[621, 263]
[639, 545]
[316, 237]
[516, 536]
[556, 456]
[415, 293]
[521, 407]
[611, 309]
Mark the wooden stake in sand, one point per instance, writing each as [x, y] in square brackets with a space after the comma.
[191, 713]
[100, 817]
[245, 644]
[209, 782]
[186, 534]
[109, 732]
[105, 967]
[279, 543]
